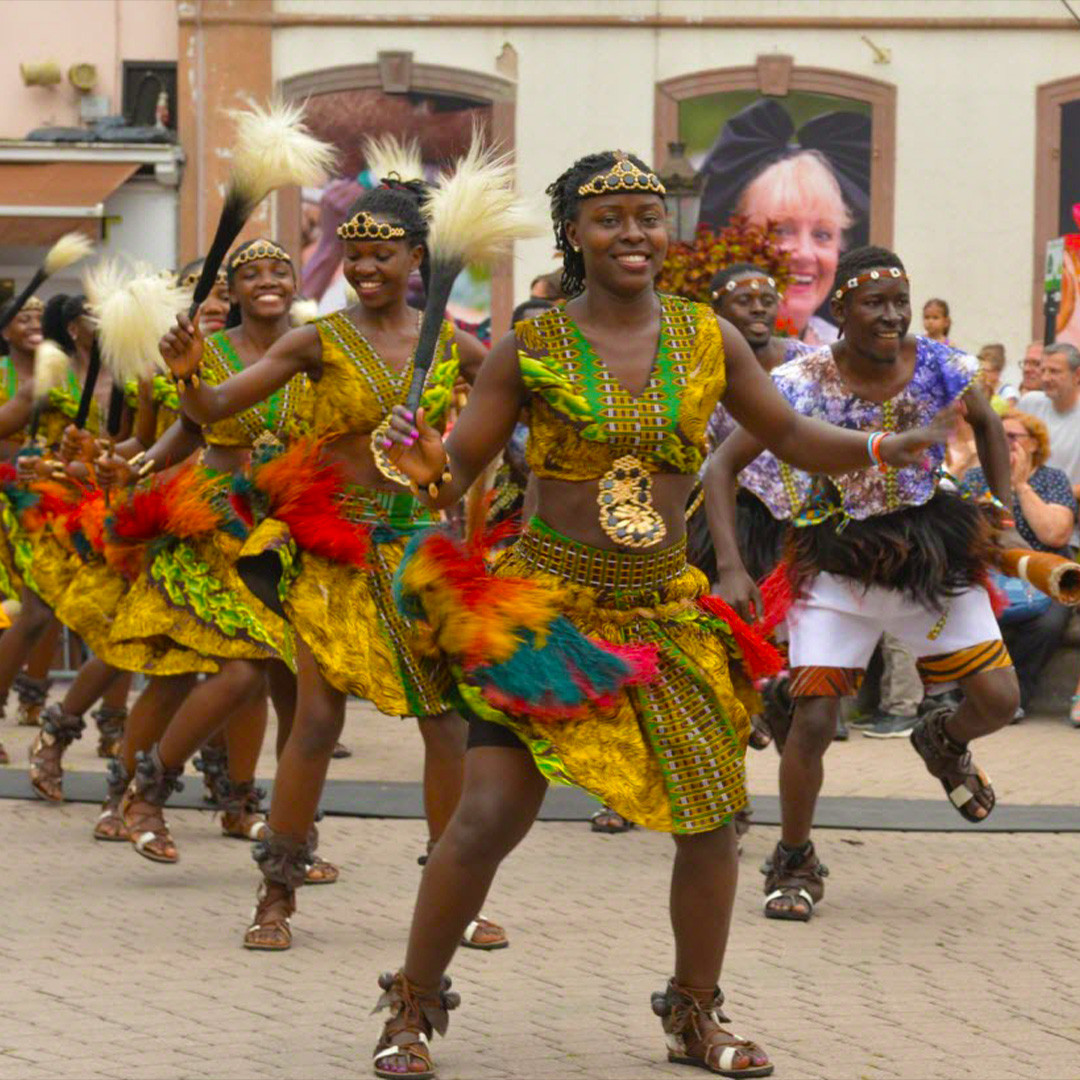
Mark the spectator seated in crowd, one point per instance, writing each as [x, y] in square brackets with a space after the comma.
[1031, 368]
[1057, 405]
[992, 361]
[1044, 507]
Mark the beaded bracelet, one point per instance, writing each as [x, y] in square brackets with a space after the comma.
[435, 486]
[873, 448]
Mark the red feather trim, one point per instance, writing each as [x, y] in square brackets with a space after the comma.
[143, 517]
[305, 492]
[778, 593]
[759, 656]
[8, 474]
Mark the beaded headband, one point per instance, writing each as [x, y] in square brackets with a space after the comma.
[261, 249]
[35, 303]
[868, 275]
[363, 226]
[190, 280]
[624, 175]
[754, 283]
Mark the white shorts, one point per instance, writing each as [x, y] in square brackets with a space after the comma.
[836, 624]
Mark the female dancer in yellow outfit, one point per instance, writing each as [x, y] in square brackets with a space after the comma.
[22, 335]
[157, 408]
[350, 638]
[42, 561]
[188, 611]
[619, 386]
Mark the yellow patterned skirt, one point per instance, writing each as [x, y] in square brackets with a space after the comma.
[668, 754]
[190, 609]
[14, 551]
[346, 614]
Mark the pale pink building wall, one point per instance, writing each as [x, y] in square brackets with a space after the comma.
[99, 32]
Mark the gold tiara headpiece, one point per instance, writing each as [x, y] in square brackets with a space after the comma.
[624, 175]
[261, 249]
[35, 303]
[869, 275]
[189, 281]
[755, 283]
[363, 226]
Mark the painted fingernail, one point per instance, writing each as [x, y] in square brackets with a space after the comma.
[409, 442]
[387, 443]
[415, 434]
[408, 415]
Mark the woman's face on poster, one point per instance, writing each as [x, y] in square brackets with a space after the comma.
[814, 244]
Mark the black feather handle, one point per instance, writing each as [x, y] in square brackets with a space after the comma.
[233, 216]
[92, 370]
[442, 281]
[17, 304]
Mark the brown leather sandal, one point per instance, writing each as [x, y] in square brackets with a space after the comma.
[32, 694]
[319, 871]
[484, 935]
[241, 810]
[606, 820]
[692, 1022]
[142, 807]
[416, 1014]
[110, 823]
[58, 731]
[110, 720]
[271, 927]
[968, 787]
[283, 861]
[794, 882]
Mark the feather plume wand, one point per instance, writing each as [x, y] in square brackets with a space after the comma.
[51, 367]
[303, 312]
[69, 249]
[273, 149]
[388, 156]
[133, 307]
[474, 216]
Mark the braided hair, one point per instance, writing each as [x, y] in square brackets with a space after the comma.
[565, 203]
[399, 202]
[852, 263]
[60, 311]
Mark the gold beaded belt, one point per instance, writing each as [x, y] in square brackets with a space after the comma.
[542, 548]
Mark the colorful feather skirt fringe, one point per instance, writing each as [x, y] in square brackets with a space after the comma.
[614, 669]
[188, 607]
[337, 593]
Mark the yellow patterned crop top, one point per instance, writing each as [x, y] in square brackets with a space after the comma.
[286, 413]
[358, 388]
[582, 419]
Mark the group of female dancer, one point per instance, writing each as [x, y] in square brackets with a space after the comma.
[589, 653]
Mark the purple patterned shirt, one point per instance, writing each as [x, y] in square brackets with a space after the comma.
[813, 387]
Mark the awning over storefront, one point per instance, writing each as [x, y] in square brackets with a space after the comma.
[40, 201]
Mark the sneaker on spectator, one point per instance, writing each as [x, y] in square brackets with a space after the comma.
[842, 733]
[859, 719]
[890, 727]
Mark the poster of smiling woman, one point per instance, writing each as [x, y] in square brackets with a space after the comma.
[801, 162]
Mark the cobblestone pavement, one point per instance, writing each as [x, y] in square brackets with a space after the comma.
[946, 955]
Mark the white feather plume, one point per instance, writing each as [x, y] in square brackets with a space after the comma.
[134, 305]
[386, 155]
[70, 248]
[51, 367]
[474, 213]
[303, 311]
[274, 148]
